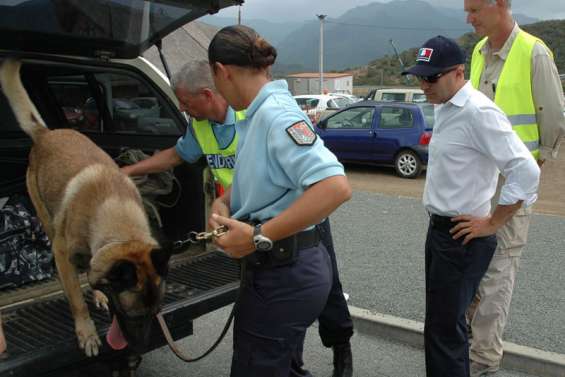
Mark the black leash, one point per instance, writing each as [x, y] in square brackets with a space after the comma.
[171, 342]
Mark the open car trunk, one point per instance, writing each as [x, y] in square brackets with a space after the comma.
[119, 108]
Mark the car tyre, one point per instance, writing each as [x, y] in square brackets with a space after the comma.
[407, 164]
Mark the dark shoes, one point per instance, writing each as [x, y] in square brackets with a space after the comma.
[343, 360]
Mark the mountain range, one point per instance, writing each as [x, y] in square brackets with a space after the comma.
[359, 35]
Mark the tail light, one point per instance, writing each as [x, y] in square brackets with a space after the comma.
[425, 138]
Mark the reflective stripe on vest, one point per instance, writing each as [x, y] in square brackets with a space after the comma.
[220, 161]
[514, 88]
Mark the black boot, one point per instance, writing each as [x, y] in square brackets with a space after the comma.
[343, 360]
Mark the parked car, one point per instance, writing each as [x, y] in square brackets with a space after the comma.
[350, 97]
[314, 105]
[86, 54]
[397, 95]
[381, 133]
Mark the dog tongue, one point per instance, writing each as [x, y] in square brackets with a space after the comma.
[114, 337]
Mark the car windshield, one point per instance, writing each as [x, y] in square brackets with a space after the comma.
[428, 111]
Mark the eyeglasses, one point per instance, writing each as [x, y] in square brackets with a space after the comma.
[433, 79]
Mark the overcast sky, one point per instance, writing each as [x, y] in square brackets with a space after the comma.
[299, 10]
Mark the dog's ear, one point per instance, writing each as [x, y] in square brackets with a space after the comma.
[122, 276]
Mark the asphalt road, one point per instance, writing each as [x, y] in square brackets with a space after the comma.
[373, 357]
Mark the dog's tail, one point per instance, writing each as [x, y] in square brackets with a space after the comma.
[25, 111]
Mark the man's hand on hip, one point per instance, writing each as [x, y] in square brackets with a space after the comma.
[472, 227]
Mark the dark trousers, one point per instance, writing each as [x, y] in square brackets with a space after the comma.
[274, 309]
[453, 274]
[335, 324]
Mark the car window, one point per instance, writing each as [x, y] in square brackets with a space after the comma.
[393, 97]
[307, 103]
[132, 107]
[429, 114]
[76, 98]
[396, 117]
[356, 118]
[341, 102]
[419, 98]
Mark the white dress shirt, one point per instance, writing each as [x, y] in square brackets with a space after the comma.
[472, 142]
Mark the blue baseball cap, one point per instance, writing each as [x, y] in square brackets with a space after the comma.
[435, 56]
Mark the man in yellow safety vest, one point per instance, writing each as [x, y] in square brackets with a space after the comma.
[516, 70]
[211, 133]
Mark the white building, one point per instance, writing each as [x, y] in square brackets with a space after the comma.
[309, 83]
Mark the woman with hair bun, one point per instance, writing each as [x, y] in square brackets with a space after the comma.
[285, 183]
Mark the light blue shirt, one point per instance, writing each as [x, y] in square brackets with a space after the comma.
[188, 147]
[271, 170]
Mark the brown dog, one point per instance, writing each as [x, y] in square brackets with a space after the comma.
[94, 217]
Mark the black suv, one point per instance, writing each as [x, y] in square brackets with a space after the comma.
[82, 69]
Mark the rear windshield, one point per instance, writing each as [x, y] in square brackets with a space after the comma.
[393, 97]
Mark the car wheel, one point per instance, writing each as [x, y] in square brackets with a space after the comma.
[407, 164]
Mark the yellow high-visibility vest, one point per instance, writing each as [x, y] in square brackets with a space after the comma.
[514, 88]
[221, 161]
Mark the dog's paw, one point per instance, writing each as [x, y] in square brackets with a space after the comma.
[100, 300]
[88, 339]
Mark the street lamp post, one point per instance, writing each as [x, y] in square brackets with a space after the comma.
[321, 17]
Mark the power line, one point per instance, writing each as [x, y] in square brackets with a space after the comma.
[397, 27]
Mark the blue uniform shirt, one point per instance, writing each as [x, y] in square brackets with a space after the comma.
[188, 147]
[271, 169]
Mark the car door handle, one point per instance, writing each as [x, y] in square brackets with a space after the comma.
[372, 133]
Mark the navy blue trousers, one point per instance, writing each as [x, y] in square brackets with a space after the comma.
[275, 307]
[335, 324]
[453, 274]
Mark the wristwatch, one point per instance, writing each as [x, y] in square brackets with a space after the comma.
[261, 242]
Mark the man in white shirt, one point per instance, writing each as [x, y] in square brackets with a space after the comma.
[472, 142]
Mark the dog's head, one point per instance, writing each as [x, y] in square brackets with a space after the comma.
[132, 276]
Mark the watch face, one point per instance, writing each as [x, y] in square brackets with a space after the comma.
[263, 243]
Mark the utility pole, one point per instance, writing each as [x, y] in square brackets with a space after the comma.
[321, 17]
[399, 60]
[239, 15]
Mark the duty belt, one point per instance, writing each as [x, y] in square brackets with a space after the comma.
[284, 251]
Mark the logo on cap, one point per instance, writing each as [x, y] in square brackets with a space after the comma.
[425, 54]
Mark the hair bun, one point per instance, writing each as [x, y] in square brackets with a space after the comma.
[241, 45]
[262, 53]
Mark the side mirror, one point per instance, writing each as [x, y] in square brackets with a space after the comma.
[322, 124]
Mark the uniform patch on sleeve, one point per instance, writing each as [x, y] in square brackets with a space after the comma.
[301, 133]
